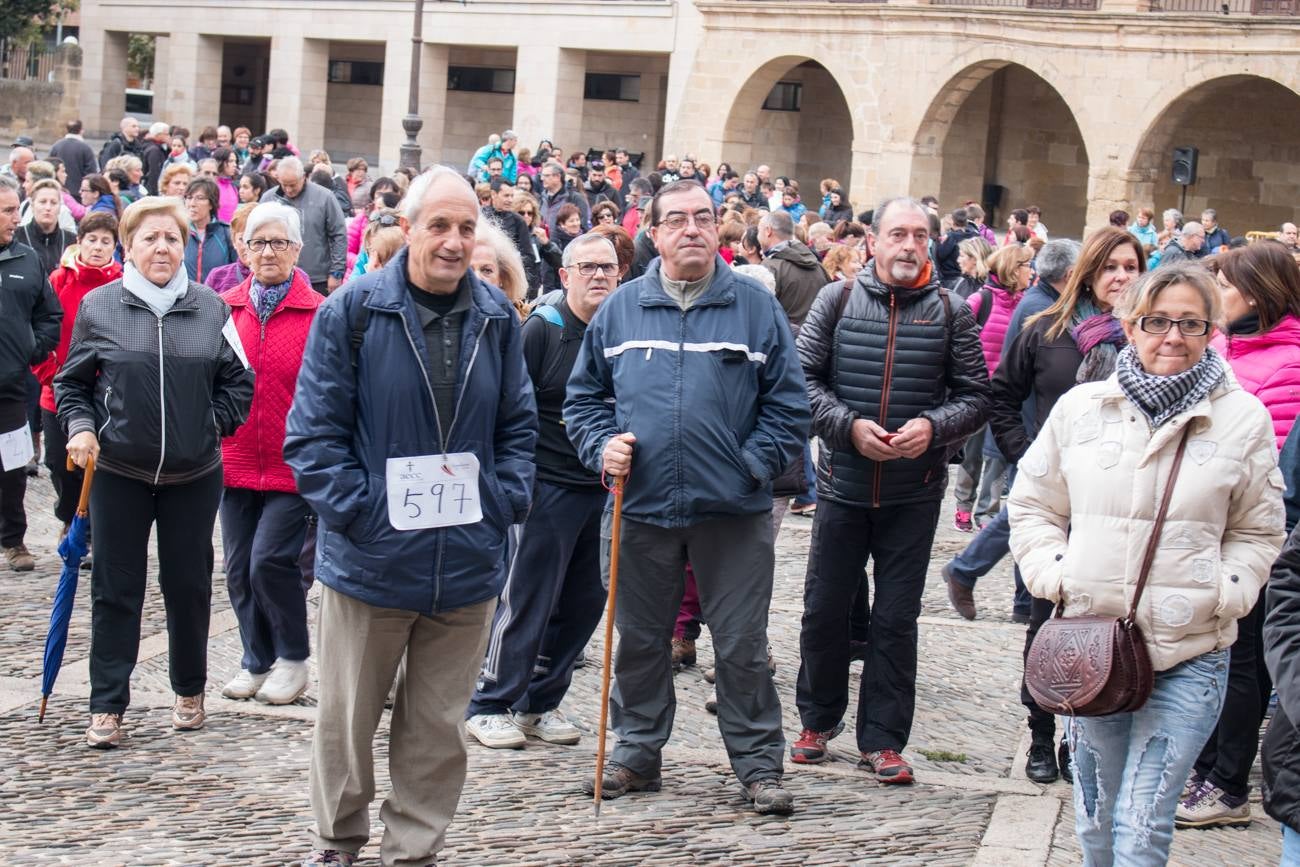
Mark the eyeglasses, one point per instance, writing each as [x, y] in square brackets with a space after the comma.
[279, 245]
[589, 269]
[702, 220]
[1162, 324]
[383, 219]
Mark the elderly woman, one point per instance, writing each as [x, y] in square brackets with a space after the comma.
[1081, 513]
[358, 182]
[209, 245]
[153, 380]
[263, 519]
[175, 179]
[497, 261]
[226, 277]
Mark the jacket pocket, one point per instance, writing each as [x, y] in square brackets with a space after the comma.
[373, 518]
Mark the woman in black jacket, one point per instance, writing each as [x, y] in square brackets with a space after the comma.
[155, 377]
[1280, 751]
[838, 209]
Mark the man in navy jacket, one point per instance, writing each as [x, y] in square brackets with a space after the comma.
[411, 436]
[688, 379]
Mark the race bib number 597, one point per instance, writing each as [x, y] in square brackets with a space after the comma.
[433, 491]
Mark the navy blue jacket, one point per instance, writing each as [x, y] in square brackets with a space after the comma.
[346, 423]
[715, 396]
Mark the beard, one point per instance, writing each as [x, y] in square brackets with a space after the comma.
[902, 271]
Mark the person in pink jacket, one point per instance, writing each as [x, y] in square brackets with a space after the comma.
[1260, 290]
[1010, 274]
[227, 182]
[264, 521]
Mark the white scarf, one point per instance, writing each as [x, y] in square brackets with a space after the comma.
[159, 298]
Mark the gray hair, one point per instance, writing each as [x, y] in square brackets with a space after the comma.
[292, 165]
[418, 191]
[1214, 215]
[759, 274]
[1139, 298]
[274, 212]
[8, 183]
[552, 169]
[1193, 228]
[509, 134]
[878, 216]
[779, 223]
[159, 128]
[1176, 214]
[571, 251]
[1056, 259]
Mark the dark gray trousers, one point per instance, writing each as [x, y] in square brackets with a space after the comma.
[733, 561]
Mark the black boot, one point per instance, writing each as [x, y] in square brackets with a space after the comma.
[1067, 773]
[1041, 767]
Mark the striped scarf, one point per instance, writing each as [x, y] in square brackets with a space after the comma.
[1162, 397]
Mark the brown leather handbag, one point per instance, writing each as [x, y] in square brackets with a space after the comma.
[1094, 665]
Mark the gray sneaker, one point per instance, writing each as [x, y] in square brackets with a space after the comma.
[105, 731]
[769, 796]
[333, 857]
[187, 713]
[552, 727]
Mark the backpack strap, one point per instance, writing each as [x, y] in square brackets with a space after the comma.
[986, 306]
[846, 289]
[360, 321]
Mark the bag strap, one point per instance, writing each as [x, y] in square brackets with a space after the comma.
[357, 331]
[1156, 528]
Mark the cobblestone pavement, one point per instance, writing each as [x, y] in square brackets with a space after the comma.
[235, 792]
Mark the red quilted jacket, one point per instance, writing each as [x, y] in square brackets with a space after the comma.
[71, 283]
[254, 456]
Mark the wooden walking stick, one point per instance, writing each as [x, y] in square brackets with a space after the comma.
[616, 527]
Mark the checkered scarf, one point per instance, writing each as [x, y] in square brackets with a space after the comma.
[1162, 397]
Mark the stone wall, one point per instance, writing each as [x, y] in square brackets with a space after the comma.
[41, 108]
[471, 117]
[637, 126]
[352, 111]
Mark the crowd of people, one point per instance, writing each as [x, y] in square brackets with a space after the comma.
[418, 389]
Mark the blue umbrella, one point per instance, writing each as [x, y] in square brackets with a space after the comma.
[72, 549]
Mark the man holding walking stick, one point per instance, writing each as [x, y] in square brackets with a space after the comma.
[688, 387]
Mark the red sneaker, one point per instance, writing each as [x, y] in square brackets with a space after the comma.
[888, 766]
[810, 749]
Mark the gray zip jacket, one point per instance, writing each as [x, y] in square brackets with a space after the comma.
[324, 230]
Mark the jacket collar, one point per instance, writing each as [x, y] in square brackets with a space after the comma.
[721, 291]
[299, 296]
[15, 250]
[1111, 394]
[390, 295]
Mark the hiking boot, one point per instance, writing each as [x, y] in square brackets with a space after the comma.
[963, 522]
[888, 766]
[1194, 782]
[244, 685]
[19, 558]
[286, 683]
[961, 597]
[1041, 767]
[1211, 807]
[105, 731]
[1064, 764]
[683, 653]
[810, 749]
[769, 796]
[711, 703]
[618, 781]
[496, 731]
[551, 727]
[187, 713]
[332, 857]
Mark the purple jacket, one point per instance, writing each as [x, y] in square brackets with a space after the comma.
[227, 277]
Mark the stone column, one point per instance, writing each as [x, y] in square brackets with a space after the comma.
[1112, 188]
[103, 99]
[67, 71]
[296, 89]
[191, 77]
[433, 99]
[549, 85]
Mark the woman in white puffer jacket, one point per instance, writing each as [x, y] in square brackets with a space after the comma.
[1081, 514]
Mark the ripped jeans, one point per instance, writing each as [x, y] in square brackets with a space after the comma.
[1129, 768]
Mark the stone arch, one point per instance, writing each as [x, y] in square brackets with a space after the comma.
[1249, 161]
[809, 144]
[1000, 133]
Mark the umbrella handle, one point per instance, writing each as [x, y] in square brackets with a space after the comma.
[83, 504]
[616, 529]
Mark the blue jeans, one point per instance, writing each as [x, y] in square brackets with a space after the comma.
[1290, 848]
[1129, 768]
[986, 550]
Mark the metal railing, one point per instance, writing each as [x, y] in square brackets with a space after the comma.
[26, 62]
[1067, 5]
[1228, 8]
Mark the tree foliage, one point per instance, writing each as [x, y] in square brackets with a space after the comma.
[139, 57]
[23, 20]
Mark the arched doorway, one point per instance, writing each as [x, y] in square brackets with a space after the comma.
[791, 115]
[1000, 134]
[1247, 131]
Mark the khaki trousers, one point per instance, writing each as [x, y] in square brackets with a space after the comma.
[359, 648]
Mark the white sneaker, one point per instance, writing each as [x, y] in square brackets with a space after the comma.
[244, 685]
[551, 727]
[286, 683]
[496, 730]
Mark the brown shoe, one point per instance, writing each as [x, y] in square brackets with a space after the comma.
[618, 781]
[961, 596]
[683, 653]
[187, 714]
[105, 731]
[19, 558]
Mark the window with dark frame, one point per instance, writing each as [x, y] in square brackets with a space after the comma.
[480, 79]
[356, 72]
[785, 96]
[612, 86]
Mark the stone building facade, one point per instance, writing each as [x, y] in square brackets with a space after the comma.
[1075, 109]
